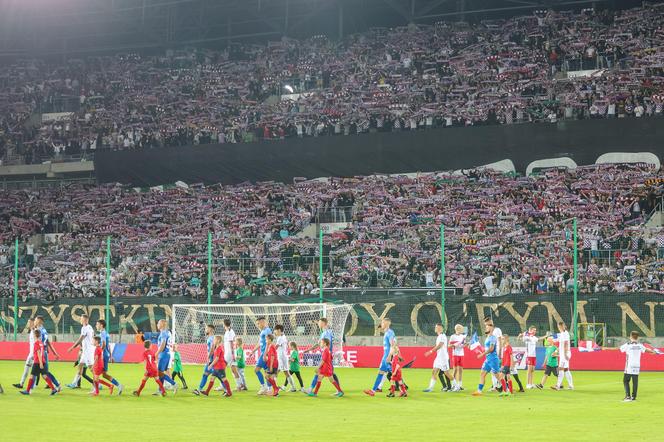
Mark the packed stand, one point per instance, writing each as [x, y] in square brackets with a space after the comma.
[504, 234]
[410, 78]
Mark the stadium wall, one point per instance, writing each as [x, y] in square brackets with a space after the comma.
[414, 312]
[393, 152]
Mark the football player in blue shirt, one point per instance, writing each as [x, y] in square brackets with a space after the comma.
[39, 325]
[209, 342]
[389, 340]
[261, 323]
[491, 361]
[325, 333]
[163, 355]
[106, 352]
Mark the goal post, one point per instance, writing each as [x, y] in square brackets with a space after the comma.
[300, 323]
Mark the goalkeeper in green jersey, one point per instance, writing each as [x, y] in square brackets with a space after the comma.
[177, 367]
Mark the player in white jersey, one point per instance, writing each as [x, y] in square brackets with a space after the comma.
[498, 333]
[282, 355]
[530, 339]
[633, 351]
[564, 356]
[457, 342]
[30, 359]
[441, 365]
[171, 348]
[229, 351]
[87, 356]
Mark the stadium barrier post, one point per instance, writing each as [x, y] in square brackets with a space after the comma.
[209, 269]
[107, 314]
[16, 290]
[320, 264]
[576, 287]
[442, 275]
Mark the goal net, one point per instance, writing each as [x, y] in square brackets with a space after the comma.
[300, 323]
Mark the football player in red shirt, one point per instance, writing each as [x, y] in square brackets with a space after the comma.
[98, 369]
[325, 369]
[272, 362]
[217, 369]
[397, 377]
[39, 366]
[507, 363]
[150, 370]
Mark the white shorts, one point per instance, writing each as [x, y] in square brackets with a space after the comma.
[441, 364]
[29, 360]
[563, 363]
[87, 358]
[228, 357]
[283, 364]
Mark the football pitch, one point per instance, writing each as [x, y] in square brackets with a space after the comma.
[593, 411]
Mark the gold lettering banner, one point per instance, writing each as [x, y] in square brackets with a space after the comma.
[413, 312]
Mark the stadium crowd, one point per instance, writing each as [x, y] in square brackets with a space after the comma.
[410, 78]
[504, 234]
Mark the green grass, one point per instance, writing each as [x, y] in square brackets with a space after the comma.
[593, 411]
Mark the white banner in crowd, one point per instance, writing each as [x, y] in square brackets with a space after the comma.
[56, 116]
[586, 73]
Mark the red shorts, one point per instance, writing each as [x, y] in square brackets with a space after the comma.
[152, 374]
[98, 371]
[531, 360]
[396, 376]
[457, 361]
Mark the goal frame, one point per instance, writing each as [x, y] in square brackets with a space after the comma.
[338, 356]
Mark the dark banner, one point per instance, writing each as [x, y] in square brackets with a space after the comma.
[394, 152]
[413, 312]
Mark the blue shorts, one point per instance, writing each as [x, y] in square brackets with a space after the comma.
[106, 359]
[385, 365]
[491, 366]
[162, 364]
[260, 363]
[219, 374]
[206, 368]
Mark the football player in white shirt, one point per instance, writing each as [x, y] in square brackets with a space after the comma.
[30, 359]
[530, 339]
[457, 343]
[282, 355]
[564, 355]
[441, 365]
[498, 333]
[633, 350]
[229, 351]
[171, 348]
[87, 356]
